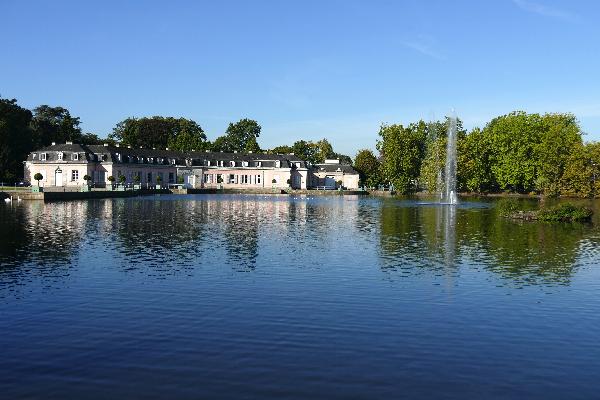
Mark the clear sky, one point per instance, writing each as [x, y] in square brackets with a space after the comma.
[303, 69]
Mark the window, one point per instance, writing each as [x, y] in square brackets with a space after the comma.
[221, 163]
[60, 156]
[43, 156]
[244, 163]
[232, 163]
[208, 163]
[172, 161]
[171, 177]
[258, 179]
[74, 175]
[149, 176]
[231, 178]
[75, 157]
[259, 164]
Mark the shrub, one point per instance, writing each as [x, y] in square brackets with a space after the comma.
[507, 207]
[565, 213]
[38, 177]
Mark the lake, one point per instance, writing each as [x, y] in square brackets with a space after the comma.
[254, 296]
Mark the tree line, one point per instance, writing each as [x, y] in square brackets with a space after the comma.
[23, 130]
[518, 152]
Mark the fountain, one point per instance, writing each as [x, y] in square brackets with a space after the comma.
[448, 194]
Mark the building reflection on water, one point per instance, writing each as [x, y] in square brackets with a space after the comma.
[170, 235]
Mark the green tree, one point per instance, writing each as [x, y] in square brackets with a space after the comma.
[369, 168]
[15, 139]
[242, 135]
[307, 151]
[54, 124]
[559, 134]
[38, 177]
[475, 163]
[160, 132]
[188, 136]
[403, 150]
[223, 144]
[281, 150]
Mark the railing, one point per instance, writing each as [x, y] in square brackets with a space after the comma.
[325, 188]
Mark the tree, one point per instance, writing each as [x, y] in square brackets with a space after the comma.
[38, 177]
[87, 179]
[284, 149]
[368, 167]
[222, 144]
[111, 179]
[402, 149]
[323, 151]
[252, 146]
[160, 132]
[16, 139]
[242, 135]
[54, 124]
[122, 179]
[188, 136]
[306, 151]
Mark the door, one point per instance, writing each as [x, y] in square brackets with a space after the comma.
[190, 181]
[58, 179]
[330, 182]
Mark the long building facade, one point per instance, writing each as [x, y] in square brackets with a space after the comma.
[67, 164]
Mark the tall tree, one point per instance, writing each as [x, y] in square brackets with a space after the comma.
[242, 135]
[160, 132]
[16, 139]
[54, 124]
[369, 168]
[403, 150]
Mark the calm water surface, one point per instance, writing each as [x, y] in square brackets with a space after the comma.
[277, 297]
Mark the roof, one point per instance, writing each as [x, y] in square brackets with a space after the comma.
[345, 168]
[192, 158]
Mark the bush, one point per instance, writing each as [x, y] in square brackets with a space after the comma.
[565, 213]
[507, 207]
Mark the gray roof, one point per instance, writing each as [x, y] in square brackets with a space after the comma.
[345, 168]
[160, 156]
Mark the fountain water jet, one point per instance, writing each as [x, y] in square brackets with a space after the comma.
[448, 195]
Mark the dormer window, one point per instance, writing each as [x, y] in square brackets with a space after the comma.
[172, 161]
[208, 163]
[232, 163]
[221, 163]
[245, 163]
[259, 164]
[60, 156]
[140, 160]
[43, 156]
[75, 157]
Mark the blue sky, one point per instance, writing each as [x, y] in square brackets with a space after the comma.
[303, 69]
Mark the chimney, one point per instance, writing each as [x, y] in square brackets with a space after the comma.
[53, 143]
[69, 143]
